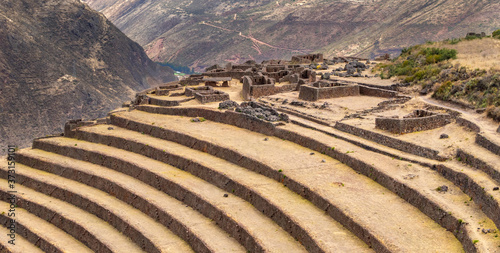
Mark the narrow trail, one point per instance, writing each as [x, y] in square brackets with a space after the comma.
[255, 41]
[486, 124]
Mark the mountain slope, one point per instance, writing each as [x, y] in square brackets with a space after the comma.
[199, 33]
[61, 60]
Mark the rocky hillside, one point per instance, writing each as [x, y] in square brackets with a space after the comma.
[200, 33]
[61, 60]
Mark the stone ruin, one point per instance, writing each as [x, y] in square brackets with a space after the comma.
[327, 89]
[384, 57]
[192, 80]
[307, 59]
[351, 68]
[419, 120]
[166, 89]
[206, 94]
[480, 35]
[213, 81]
[260, 111]
[259, 79]
[212, 96]
[256, 86]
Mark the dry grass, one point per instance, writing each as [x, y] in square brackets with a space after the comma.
[479, 53]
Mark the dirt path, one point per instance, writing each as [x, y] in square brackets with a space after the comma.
[255, 41]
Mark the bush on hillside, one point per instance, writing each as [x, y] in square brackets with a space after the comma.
[496, 34]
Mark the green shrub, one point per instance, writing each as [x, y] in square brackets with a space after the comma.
[452, 41]
[496, 34]
[436, 55]
[472, 37]
[443, 92]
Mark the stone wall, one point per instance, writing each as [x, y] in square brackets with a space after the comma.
[376, 92]
[277, 75]
[488, 204]
[430, 208]
[233, 74]
[477, 163]
[310, 93]
[162, 102]
[390, 141]
[468, 124]
[191, 91]
[409, 125]
[275, 68]
[252, 90]
[213, 96]
[227, 117]
[257, 91]
[164, 90]
[308, 58]
[493, 147]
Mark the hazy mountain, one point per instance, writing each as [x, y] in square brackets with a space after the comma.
[61, 60]
[199, 33]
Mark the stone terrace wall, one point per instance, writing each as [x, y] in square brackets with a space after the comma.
[493, 147]
[446, 220]
[468, 124]
[409, 125]
[310, 93]
[227, 117]
[390, 141]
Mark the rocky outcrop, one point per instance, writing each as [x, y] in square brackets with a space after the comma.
[61, 60]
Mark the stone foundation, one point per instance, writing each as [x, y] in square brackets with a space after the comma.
[189, 92]
[311, 93]
[213, 96]
[421, 121]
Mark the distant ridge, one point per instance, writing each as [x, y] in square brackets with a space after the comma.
[201, 33]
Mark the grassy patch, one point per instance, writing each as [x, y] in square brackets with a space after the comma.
[430, 67]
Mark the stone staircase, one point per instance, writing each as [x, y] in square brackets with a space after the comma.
[158, 182]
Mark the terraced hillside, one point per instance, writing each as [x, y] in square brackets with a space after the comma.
[195, 177]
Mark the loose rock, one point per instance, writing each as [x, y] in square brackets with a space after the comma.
[228, 104]
[444, 136]
[442, 188]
